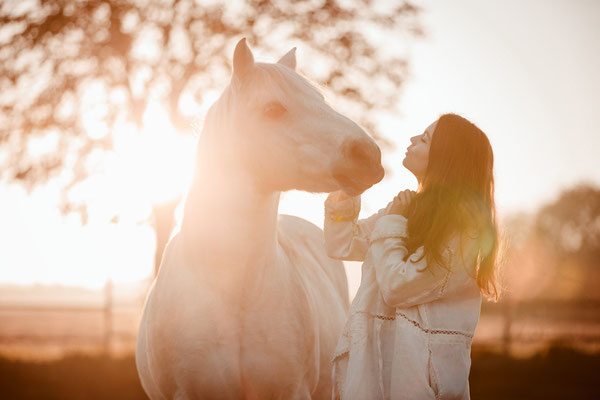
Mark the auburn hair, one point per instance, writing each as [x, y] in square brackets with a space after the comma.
[456, 196]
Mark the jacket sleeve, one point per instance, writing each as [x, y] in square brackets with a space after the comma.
[404, 284]
[347, 238]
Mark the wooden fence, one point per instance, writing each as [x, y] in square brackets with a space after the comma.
[505, 325]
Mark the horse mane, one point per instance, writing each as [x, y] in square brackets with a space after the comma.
[279, 78]
[268, 82]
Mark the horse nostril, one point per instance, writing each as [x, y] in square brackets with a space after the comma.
[359, 166]
[362, 151]
[357, 152]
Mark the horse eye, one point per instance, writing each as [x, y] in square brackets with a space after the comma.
[274, 110]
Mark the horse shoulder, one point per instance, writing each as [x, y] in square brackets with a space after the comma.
[304, 244]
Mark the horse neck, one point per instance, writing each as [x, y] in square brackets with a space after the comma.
[228, 220]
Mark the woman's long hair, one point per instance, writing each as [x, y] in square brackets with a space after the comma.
[456, 196]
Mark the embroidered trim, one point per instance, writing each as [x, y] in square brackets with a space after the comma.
[434, 378]
[341, 211]
[389, 226]
[415, 323]
[434, 331]
[335, 357]
[355, 228]
[396, 234]
[445, 283]
[418, 325]
[384, 317]
[447, 277]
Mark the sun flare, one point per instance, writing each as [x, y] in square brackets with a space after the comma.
[147, 166]
[158, 158]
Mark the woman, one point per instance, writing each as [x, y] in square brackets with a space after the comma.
[428, 258]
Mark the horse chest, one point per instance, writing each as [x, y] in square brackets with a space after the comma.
[255, 336]
[257, 349]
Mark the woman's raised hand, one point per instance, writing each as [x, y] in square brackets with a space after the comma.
[401, 202]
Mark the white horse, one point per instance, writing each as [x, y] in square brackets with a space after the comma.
[246, 304]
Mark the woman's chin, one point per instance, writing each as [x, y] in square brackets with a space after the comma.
[407, 166]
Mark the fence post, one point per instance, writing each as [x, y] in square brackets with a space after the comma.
[507, 313]
[108, 308]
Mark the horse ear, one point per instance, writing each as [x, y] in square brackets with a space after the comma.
[243, 60]
[289, 59]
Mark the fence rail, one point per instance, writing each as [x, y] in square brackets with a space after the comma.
[109, 325]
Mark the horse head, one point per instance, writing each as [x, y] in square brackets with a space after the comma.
[277, 127]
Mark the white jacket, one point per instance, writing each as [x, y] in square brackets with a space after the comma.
[408, 334]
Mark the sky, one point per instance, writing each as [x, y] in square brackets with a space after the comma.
[526, 72]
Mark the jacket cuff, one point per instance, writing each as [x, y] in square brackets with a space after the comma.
[391, 225]
[345, 210]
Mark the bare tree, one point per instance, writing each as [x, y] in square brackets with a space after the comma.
[571, 224]
[53, 52]
[569, 229]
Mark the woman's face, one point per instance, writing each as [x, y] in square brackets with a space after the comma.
[417, 154]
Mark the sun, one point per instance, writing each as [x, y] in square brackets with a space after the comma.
[164, 156]
[152, 165]
[146, 167]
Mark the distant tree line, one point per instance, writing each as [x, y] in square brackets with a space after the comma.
[555, 253]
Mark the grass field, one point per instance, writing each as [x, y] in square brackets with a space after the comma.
[558, 373]
[57, 353]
